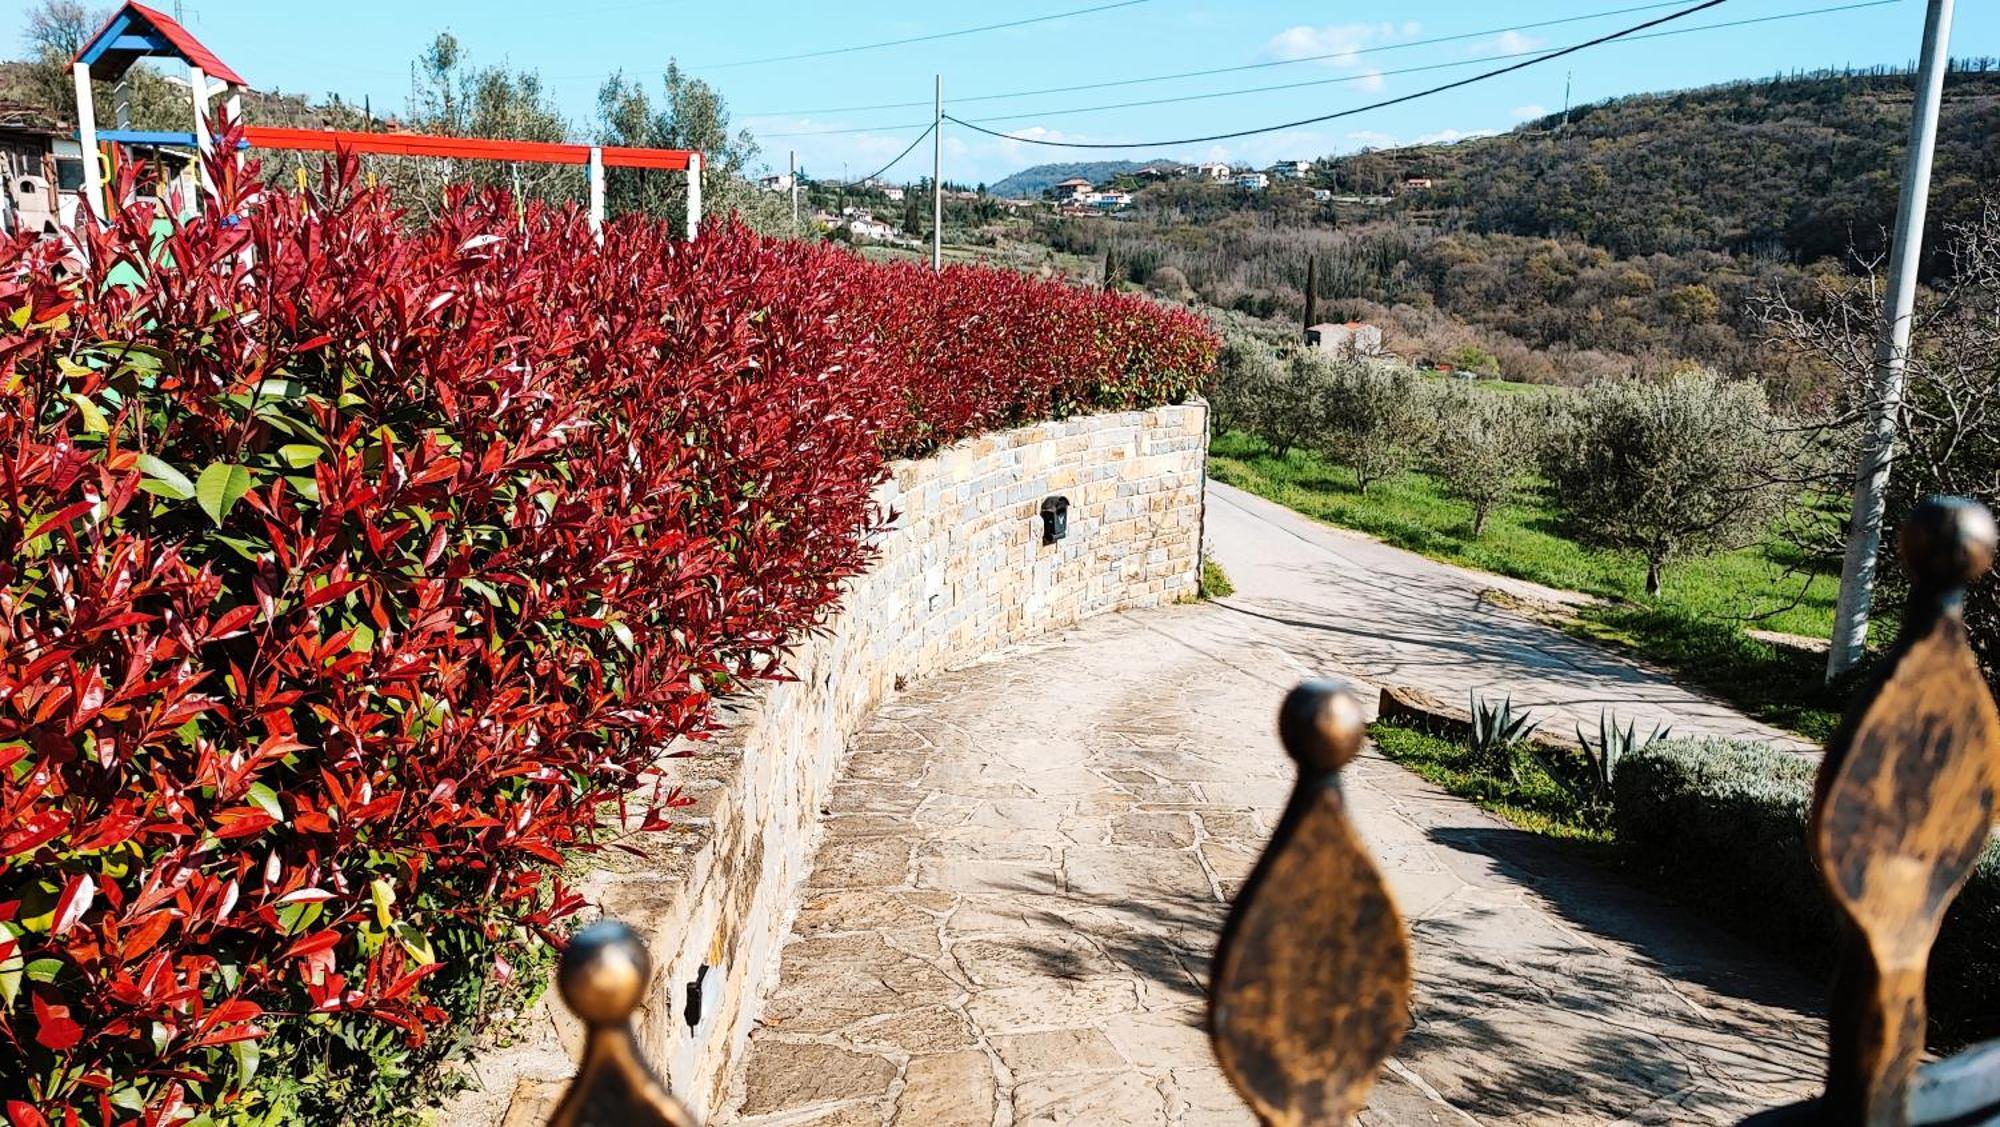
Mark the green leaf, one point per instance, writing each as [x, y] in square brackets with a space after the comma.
[163, 480]
[384, 895]
[10, 971]
[160, 1039]
[299, 454]
[218, 489]
[94, 421]
[246, 1059]
[44, 970]
[266, 799]
[413, 941]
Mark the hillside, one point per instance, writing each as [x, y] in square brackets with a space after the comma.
[1802, 167]
[1644, 234]
[1032, 182]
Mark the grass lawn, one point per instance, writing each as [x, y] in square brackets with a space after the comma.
[1696, 627]
[1531, 798]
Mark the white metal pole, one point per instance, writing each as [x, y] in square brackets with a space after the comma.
[694, 196]
[597, 192]
[793, 180]
[1878, 444]
[86, 134]
[937, 179]
[198, 87]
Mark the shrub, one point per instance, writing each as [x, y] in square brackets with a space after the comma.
[351, 575]
[1725, 823]
[1484, 451]
[1669, 470]
[1379, 418]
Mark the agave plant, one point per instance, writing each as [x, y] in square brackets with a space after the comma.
[1602, 757]
[1496, 731]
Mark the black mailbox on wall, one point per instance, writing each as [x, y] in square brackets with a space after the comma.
[1055, 519]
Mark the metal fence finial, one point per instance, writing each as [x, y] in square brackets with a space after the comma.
[1312, 976]
[603, 978]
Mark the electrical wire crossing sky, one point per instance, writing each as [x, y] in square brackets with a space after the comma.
[849, 88]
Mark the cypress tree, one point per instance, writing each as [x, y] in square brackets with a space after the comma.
[1312, 290]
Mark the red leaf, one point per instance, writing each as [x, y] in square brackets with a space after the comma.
[54, 1028]
[73, 903]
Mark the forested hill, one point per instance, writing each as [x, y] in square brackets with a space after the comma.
[1803, 167]
[1032, 182]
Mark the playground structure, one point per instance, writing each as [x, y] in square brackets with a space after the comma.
[137, 32]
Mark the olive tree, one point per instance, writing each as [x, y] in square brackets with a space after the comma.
[1378, 418]
[1670, 470]
[1484, 451]
[1947, 419]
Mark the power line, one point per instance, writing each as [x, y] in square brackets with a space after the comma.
[1456, 64]
[1454, 38]
[1343, 79]
[1481, 77]
[934, 36]
[899, 156]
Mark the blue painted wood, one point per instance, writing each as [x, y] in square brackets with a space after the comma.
[146, 137]
[105, 39]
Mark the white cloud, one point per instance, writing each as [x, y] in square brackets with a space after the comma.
[1508, 43]
[1449, 136]
[1370, 139]
[1529, 112]
[1336, 45]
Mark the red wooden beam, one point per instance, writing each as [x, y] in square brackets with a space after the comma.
[457, 148]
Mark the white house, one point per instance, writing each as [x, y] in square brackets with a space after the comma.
[868, 227]
[1322, 195]
[779, 183]
[1253, 181]
[1292, 169]
[1108, 200]
[895, 194]
[1353, 339]
[1074, 188]
[1215, 172]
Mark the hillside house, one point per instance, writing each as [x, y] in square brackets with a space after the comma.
[1108, 200]
[1154, 172]
[1253, 181]
[1292, 169]
[1074, 188]
[1322, 195]
[894, 194]
[1419, 184]
[780, 183]
[870, 228]
[1216, 172]
[1353, 340]
[40, 171]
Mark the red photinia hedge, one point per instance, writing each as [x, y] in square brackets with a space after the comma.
[349, 569]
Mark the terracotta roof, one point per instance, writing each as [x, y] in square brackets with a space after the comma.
[190, 48]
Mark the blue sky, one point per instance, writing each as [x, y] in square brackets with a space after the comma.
[362, 47]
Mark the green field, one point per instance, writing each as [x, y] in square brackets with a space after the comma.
[1697, 627]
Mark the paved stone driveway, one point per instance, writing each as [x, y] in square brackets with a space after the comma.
[1387, 616]
[1026, 863]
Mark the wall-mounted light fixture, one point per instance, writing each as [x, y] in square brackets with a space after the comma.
[1055, 519]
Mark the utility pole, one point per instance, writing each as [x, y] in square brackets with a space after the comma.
[793, 181]
[937, 179]
[1878, 444]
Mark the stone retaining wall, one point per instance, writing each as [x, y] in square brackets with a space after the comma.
[963, 571]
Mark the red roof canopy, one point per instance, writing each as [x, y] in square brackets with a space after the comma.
[138, 32]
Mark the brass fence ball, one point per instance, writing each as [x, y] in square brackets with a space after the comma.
[1948, 542]
[604, 973]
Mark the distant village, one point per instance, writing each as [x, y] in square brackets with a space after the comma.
[1078, 197]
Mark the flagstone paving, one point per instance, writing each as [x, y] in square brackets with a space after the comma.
[1027, 861]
